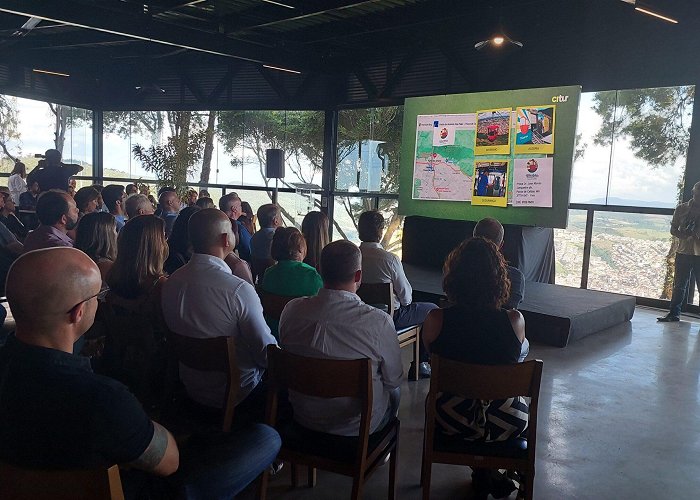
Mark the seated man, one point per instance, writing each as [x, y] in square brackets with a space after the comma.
[230, 204]
[203, 299]
[336, 324]
[492, 230]
[138, 204]
[58, 214]
[114, 197]
[261, 242]
[169, 204]
[55, 413]
[380, 266]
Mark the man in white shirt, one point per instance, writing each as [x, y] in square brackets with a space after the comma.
[203, 299]
[380, 266]
[336, 324]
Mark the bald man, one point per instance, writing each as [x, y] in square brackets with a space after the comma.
[492, 230]
[204, 299]
[54, 411]
[169, 203]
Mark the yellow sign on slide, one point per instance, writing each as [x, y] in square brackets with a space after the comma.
[493, 132]
[490, 183]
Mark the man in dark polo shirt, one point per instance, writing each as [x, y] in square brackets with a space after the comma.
[55, 413]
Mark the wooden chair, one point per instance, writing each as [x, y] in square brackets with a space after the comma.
[482, 382]
[357, 457]
[383, 294]
[217, 354]
[17, 483]
[272, 304]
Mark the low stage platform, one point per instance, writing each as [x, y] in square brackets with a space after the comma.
[554, 314]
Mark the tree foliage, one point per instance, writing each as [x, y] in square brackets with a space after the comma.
[8, 124]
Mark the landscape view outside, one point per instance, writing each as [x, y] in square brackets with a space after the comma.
[631, 150]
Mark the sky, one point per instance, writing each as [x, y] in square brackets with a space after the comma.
[629, 177]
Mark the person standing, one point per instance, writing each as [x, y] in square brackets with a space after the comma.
[16, 182]
[685, 226]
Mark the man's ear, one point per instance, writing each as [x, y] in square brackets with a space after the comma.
[358, 276]
[77, 313]
[226, 241]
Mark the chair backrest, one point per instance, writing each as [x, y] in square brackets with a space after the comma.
[217, 354]
[272, 304]
[26, 484]
[378, 293]
[259, 266]
[487, 382]
[323, 378]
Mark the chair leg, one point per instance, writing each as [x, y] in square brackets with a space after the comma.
[262, 485]
[530, 484]
[393, 461]
[416, 357]
[426, 471]
[294, 469]
[358, 484]
[311, 477]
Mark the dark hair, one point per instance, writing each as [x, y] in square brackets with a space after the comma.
[246, 217]
[51, 206]
[19, 168]
[111, 195]
[267, 213]
[475, 274]
[85, 195]
[141, 253]
[314, 227]
[178, 242]
[288, 244]
[166, 189]
[370, 226]
[131, 189]
[340, 260]
[205, 202]
[97, 236]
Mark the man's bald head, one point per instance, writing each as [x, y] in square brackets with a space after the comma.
[205, 230]
[490, 229]
[48, 305]
[169, 201]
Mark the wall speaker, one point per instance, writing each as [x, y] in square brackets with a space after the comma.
[274, 164]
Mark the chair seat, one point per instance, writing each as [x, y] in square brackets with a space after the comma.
[329, 446]
[513, 448]
[407, 329]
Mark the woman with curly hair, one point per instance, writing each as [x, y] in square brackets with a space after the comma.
[476, 329]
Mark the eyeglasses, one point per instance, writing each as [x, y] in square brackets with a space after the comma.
[83, 301]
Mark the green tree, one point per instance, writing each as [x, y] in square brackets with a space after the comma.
[8, 125]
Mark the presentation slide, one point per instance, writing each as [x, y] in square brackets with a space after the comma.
[505, 154]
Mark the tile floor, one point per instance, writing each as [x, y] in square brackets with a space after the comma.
[619, 419]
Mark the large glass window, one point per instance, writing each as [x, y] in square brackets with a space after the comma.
[568, 249]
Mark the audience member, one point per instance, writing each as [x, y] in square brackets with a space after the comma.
[131, 189]
[10, 245]
[290, 276]
[230, 204]
[87, 200]
[10, 219]
[100, 201]
[135, 345]
[203, 299]
[380, 266]
[191, 198]
[492, 230]
[239, 267]
[169, 204]
[51, 173]
[336, 324]
[57, 214]
[114, 197]
[247, 217]
[205, 202]
[16, 181]
[203, 193]
[261, 242]
[97, 237]
[145, 190]
[475, 329]
[314, 227]
[28, 199]
[138, 204]
[179, 251]
[153, 201]
[54, 403]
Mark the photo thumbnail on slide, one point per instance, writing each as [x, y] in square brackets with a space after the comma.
[535, 129]
[490, 183]
[493, 132]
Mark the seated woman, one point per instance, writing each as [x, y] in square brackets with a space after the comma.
[97, 237]
[10, 219]
[238, 266]
[179, 251]
[475, 329]
[134, 350]
[290, 276]
[314, 227]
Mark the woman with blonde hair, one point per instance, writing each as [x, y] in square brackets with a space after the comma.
[136, 331]
[97, 237]
[314, 227]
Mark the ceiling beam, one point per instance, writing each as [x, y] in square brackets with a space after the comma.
[145, 28]
[274, 84]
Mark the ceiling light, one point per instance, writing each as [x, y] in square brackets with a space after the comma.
[282, 69]
[498, 40]
[47, 72]
[651, 13]
[279, 3]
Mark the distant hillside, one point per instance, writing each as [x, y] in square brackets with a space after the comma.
[631, 203]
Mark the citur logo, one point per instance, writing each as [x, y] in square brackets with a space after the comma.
[560, 98]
